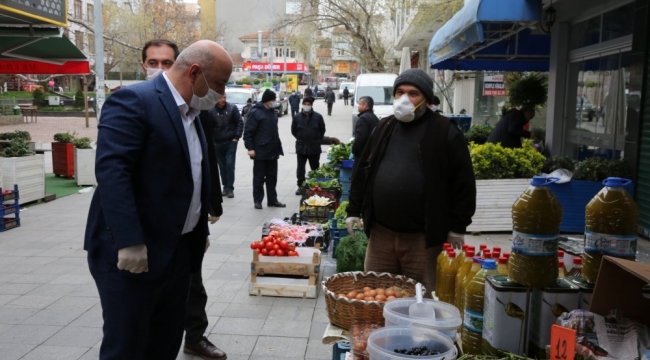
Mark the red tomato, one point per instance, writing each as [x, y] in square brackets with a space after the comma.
[296, 253]
[291, 246]
[264, 252]
[276, 247]
[284, 245]
[266, 239]
[280, 252]
[254, 245]
[269, 246]
[272, 253]
[291, 253]
[273, 233]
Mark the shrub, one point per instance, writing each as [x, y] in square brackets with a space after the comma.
[478, 134]
[530, 90]
[558, 162]
[65, 137]
[18, 147]
[79, 99]
[18, 134]
[492, 161]
[539, 134]
[39, 97]
[526, 160]
[256, 81]
[598, 169]
[82, 143]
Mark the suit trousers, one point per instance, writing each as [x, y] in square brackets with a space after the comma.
[345, 101]
[226, 152]
[143, 318]
[294, 111]
[265, 172]
[329, 108]
[404, 254]
[196, 320]
[314, 163]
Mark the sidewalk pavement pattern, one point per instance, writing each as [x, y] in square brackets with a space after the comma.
[49, 307]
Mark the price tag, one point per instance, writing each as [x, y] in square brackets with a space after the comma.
[563, 343]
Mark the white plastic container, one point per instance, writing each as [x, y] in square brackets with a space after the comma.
[447, 320]
[383, 342]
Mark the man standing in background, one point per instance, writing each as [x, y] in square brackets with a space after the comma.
[294, 101]
[228, 129]
[330, 98]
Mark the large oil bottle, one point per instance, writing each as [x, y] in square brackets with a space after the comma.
[460, 277]
[447, 278]
[610, 226]
[474, 301]
[536, 219]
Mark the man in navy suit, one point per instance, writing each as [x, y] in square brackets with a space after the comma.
[147, 224]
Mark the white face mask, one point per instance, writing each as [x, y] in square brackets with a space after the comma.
[306, 108]
[433, 107]
[152, 73]
[208, 101]
[403, 109]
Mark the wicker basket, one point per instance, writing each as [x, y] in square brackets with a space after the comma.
[343, 312]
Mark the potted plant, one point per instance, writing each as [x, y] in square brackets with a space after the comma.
[22, 167]
[84, 158]
[63, 155]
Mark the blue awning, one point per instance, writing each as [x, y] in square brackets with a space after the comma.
[492, 35]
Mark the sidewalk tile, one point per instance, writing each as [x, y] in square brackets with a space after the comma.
[234, 344]
[286, 328]
[32, 302]
[54, 317]
[55, 353]
[238, 326]
[280, 347]
[15, 316]
[28, 334]
[14, 351]
[78, 336]
[282, 312]
[247, 311]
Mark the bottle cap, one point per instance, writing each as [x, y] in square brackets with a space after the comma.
[476, 260]
[507, 255]
[446, 245]
[577, 260]
[560, 263]
[482, 246]
[496, 248]
[469, 253]
[487, 254]
[496, 255]
[616, 182]
[543, 180]
[452, 254]
[471, 247]
[560, 253]
[489, 264]
[503, 260]
[465, 247]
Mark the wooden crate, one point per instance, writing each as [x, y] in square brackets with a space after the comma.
[28, 173]
[294, 276]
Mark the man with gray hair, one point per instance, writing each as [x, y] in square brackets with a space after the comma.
[147, 223]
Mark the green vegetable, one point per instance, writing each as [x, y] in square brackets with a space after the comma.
[331, 184]
[340, 152]
[341, 214]
[324, 171]
[351, 252]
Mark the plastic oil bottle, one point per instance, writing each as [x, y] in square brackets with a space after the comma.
[610, 226]
[502, 266]
[576, 270]
[474, 299]
[440, 259]
[536, 218]
[486, 254]
[476, 266]
[460, 277]
[448, 279]
[561, 271]
[460, 257]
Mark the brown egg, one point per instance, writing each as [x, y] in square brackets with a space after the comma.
[367, 288]
[360, 297]
[381, 291]
[380, 297]
[390, 292]
[390, 298]
[372, 293]
[352, 295]
[369, 298]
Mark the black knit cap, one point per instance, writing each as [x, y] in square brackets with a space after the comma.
[308, 99]
[418, 78]
[268, 95]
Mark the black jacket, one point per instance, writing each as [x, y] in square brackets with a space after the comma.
[261, 133]
[215, 183]
[245, 110]
[366, 123]
[450, 186]
[294, 101]
[510, 129]
[308, 129]
[309, 92]
[330, 97]
[346, 93]
[227, 123]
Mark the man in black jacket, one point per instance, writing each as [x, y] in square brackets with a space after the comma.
[262, 140]
[294, 101]
[308, 127]
[330, 98]
[366, 123]
[309, 92]
[228, 127]
[510, 129]
[346, 95]
[413, 184]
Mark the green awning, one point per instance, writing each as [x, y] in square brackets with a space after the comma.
[41, 55]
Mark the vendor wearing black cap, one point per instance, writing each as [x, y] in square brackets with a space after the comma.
[308, 127]
[262, 140]
[413, 184]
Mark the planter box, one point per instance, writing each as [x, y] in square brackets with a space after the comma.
[494, 199]
[84, 166]
[63, 159]
[574, 197]
[28, 173]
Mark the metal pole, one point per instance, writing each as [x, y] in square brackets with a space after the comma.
[271, 43]
[85, 79]
[284, 50]
[99, 60]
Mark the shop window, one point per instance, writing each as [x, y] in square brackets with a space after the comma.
[585, 33]
[618, 23]
[90, 13]
[608, 26]
[77, 9]
[91, 43]
[79, 39]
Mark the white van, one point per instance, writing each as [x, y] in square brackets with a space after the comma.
[380, 88]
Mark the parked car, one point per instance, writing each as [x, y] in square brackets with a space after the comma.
[239, 96]
[283, 103]
[322, 87]
[350, 86]
[584, 108]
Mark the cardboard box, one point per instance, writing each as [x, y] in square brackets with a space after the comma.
[620, 286]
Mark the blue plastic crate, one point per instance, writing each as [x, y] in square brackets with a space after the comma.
[345, 175]
[339, 350]
[345, 186]
[8, 209]
[14, 195]
[347, 164]
[9, 223]
[345, 196]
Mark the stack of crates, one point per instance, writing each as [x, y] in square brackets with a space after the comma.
[9, 209]
[345, 178]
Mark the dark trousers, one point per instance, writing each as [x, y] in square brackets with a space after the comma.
[226, 152]
[329, 108]
[196, 320]
[294, 111]
[314, 163]
[345, 101]
[265, 172]
[143, 317]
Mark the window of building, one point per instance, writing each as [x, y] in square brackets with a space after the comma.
[278, 52]
[292, 53]
[293, 7]
[608, 26]
[79, 39]
[90, 13]
[77, 9]
[91, 43]
[340, 52]
[254, 52]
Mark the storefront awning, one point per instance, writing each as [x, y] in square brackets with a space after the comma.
[492, 35]
[20, 54]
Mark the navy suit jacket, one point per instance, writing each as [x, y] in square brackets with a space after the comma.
[144, 179]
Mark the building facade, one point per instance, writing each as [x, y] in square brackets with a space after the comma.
[344, 64]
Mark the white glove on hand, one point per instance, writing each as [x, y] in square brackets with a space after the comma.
[207, 242]
[213, 219]
[133, 259]
[350, 222]
[456, 240]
